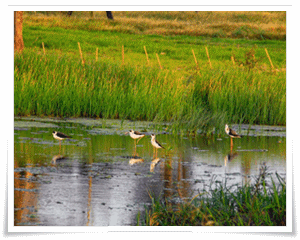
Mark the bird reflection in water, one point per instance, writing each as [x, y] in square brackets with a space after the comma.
[133, 161]
[57, 157]
[154, 162]
[229, 157]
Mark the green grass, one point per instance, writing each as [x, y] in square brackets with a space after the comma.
[254, 205]
[63, 87]
[190, 97]
[175, 52]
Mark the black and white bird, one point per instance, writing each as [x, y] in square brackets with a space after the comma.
[136, 135]
[60, 136]
[231, 133]
[155, 143]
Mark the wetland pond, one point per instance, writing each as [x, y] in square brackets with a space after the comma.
[99, 178]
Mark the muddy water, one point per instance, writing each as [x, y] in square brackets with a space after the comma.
[99, 178]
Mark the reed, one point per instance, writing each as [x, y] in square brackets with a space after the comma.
[258, 204]
[61, 86]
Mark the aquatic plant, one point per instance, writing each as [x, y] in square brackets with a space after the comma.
[248, 205]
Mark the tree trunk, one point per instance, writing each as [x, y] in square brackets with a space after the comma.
[18, 25]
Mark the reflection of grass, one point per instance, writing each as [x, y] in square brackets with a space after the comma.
[254, 205]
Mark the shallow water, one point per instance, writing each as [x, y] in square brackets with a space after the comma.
[99, 178]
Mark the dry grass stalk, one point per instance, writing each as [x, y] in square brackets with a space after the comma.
[158, 61]
[269, 58]
[208, 57]
[80, 52]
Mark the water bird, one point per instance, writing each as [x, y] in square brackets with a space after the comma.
[155, 143]
[135, 135]
[231, 133]
[60, 136]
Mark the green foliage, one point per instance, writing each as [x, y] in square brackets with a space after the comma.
[249, 205]
[59, 85]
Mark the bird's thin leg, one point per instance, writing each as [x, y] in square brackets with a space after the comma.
[231, 145]
[134, 147]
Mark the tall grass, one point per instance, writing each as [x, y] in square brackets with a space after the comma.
[60, 85]
[248, 205]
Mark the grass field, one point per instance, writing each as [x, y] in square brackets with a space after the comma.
[259, 25]
[193, 79]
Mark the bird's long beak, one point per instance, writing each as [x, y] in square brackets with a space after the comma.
[126, 132]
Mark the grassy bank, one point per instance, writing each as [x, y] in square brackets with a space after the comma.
[193, 82]
[255, 205]
[62, 34]
[62, 86]
[259, 25]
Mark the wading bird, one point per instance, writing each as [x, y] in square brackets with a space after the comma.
[231, 133]
[135, 135]
[155, 144]
[59, 136]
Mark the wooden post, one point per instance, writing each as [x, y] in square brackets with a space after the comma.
[158, 61]
[208, 57]
[146, 55]
[18, 31]
[123, 61]
[80, 53]
[44, 48]
[96, 54]
[195, 59]
[232, 59]
[269, 58]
